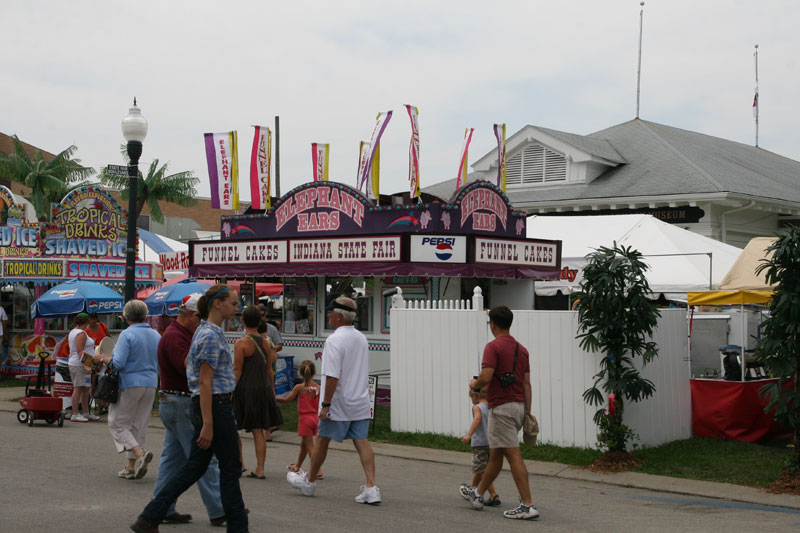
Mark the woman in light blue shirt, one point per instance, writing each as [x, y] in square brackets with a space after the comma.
[135, 357]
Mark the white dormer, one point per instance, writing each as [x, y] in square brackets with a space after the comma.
[542, 157]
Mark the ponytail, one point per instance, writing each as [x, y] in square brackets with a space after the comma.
[307, 371]
[204, 303]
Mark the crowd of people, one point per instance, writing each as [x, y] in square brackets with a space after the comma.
[208, 391]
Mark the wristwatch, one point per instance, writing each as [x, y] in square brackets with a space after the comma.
[325, 404]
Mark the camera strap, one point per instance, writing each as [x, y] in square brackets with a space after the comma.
[514, 367]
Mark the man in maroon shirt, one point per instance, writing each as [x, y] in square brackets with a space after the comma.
[174, 410]
[506, 371]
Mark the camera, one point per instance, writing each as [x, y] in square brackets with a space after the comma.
[506, 380]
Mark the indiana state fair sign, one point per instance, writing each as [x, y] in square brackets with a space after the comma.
[89, 223]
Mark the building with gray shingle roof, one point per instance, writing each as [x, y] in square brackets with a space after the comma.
[718, 188]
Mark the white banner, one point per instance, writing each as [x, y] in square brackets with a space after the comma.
[349, 250]
[438, 249]
[232, 253]
[260, 165]
[413, 151]
[508, 252]
[174, 260]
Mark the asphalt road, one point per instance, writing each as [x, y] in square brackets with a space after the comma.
[64, 479]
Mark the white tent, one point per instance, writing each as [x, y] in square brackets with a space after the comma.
[679, 260]
[152, 244]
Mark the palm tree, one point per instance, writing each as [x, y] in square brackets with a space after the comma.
[49, 180]
[157, 186]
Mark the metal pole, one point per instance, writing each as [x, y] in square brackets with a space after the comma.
[134, 152]
[639, 69]
[277, 157]
[756, 101]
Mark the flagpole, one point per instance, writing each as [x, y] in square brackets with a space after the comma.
[639, 69]
[277, 156]
[755, 54]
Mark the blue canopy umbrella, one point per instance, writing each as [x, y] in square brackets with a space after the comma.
[168, 298]
[75, 296]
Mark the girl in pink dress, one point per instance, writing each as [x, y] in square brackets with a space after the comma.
[307, 394]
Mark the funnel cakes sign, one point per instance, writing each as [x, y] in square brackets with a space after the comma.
[330, 209]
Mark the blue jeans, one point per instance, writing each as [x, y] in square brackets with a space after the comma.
[225, 446]
[176, 414]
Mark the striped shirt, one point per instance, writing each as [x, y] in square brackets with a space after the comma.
[209, 346]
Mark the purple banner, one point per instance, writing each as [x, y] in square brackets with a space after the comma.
[334, 209]
[211, 159]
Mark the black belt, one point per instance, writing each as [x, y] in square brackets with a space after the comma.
[176, 393]
[223, 396]
[220, 396]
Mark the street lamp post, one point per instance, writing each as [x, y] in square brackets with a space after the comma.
[134, 129]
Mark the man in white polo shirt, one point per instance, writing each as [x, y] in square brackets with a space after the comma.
[345, 406]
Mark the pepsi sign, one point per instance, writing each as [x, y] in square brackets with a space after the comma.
[438, 249]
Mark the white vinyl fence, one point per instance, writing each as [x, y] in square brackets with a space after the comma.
[436, 348]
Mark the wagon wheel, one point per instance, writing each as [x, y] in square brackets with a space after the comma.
[22, 416]
[30, 419]
[61, 419]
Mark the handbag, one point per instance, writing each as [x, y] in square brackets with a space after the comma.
[530, 429]
[108, 386]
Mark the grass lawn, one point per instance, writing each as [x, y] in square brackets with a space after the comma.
[740, 463]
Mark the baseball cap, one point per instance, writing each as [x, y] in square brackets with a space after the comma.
[189, 303]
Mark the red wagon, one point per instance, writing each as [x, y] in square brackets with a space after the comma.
[39, 403]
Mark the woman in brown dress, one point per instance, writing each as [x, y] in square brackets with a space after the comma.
[254, 399]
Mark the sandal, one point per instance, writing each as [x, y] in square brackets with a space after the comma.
[126, 474]
[255, 476]
[494, 501]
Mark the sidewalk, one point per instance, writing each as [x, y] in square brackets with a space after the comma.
[687, 487]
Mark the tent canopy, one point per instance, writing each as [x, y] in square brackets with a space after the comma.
[679, 260]
[742, 297]
[742, 275]
[151, 244]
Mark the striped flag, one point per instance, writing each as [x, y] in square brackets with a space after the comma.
[369, 178]
[223, 169]
[363, 154]
[413, 151]
[260, 169]
[500, 135]
[462, 167]
[319, 158]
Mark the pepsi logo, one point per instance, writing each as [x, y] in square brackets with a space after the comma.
[92, 304]
[173, 307]
[444, 251]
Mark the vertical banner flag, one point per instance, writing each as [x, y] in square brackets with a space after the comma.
[368, 176]
[319, 157]
[755, 104]
[363, 155]
[375, 175]
[223, 169]
[260, 165]
[500, 135]
[462, 167]
[413, 152]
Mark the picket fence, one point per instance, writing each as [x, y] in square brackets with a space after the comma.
[437, 347]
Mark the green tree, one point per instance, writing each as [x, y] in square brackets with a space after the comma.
[158, 186]
[779, 347]
[50, 180]
[616, 318]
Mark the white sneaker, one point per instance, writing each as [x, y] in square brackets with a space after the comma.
[300, 481]
[92, 418]
[370, 495]
[465, 490]
[522, 512]
[140, 466]
[475, 500]
[78, 418]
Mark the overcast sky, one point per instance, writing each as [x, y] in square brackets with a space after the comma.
[71, 69]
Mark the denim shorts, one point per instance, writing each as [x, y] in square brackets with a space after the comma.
[340, 430]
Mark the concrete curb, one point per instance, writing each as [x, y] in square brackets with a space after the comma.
[686, 487]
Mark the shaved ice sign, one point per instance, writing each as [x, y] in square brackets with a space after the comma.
[89, 223]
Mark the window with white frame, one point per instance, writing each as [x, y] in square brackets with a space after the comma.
[535, 164]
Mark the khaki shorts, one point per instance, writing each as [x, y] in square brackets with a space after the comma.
[505, 422]
[480, 459]
[78, 376]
